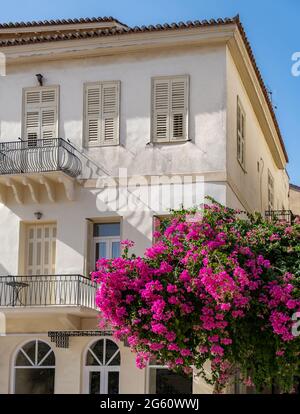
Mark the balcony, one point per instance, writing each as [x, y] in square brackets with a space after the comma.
[37, 165]
[47, 291]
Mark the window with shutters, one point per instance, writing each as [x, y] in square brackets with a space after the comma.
[270, 191]
[101, 118]
[170, 109]
[40, 114]
[241, 133]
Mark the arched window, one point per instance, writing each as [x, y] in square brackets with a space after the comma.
[34, 369]
[102, 367]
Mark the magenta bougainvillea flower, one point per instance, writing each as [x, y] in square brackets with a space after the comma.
[215, 286]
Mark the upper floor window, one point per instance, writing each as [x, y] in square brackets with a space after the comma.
[241, 133]
[101, 113]
[170, 109]
[270, 191]
[40, 114]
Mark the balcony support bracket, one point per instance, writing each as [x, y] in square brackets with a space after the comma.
[32, 186]
[17, 189]
[3, 194]
[50, 188]
[69, 186]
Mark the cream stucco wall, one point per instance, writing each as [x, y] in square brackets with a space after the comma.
[249, 188]
[207, 99]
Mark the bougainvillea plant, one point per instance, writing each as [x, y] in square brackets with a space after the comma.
[218, 286]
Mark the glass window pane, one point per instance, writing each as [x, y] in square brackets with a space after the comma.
[95, 381]
[34, 380]
[115, 251]
[111, 349]
[113, 383]
[106, 229]
[100, 251]
[97, 349]
[43, 349]
[29, 349]
[103, 251]
[49, 361]
[22, 361]
[169, 382]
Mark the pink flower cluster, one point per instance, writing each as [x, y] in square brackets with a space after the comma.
[182, 301]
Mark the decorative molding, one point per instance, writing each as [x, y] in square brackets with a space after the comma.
[62, 338]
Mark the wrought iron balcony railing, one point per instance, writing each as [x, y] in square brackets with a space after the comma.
[40, 155]
[48, 290]
[280, 215]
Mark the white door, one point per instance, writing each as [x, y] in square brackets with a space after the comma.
[41, 245]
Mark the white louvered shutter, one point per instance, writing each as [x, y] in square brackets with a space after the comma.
[170, 109]
[93, 112]
[32, 127]
[110, 114]
[41, 114]
[48, 125]
[102, 113]
[161, 109]
[178, 116]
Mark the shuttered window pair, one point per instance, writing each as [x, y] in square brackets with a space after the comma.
[40, 114]
[102, 113]
[170, 109]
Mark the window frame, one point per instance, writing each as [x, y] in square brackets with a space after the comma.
[107, 239]
[103, 369]
[154, 366]
[169, 139]
[14, 367]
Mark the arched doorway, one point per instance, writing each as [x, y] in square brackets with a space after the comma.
[102, 368]
[34, 369]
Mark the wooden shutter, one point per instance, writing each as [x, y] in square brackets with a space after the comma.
[102, 113]
[48, 124]
[178, 116]
[110, 113]
[92, 114]
[32, 127]
[170, 109]
[241, 124]
[40, 114]
[161, 109]
[89, 265]
[41, 247]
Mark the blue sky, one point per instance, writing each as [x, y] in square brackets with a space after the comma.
[272, 28]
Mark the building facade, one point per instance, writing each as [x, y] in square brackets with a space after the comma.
[103, 128]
